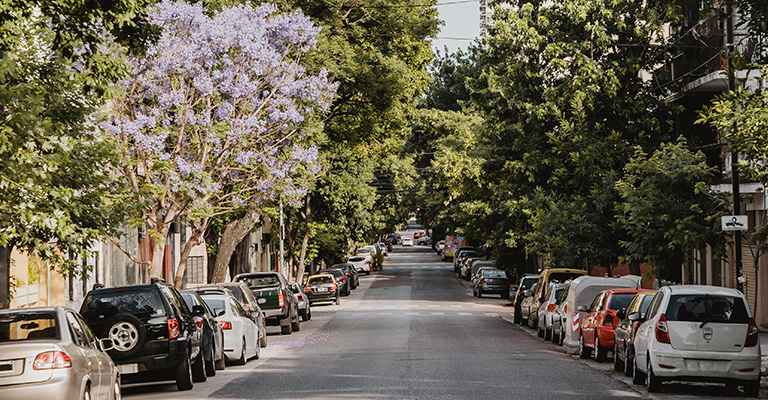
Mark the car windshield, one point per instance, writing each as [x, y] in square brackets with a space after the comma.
[136, 301]
[620, 300]
[709, 308]
[494, 273]
[363, 251]
[319, 280]
[28, 325]
[261, 280]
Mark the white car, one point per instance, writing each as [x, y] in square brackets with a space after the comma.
[361, 263]
[407, 242]
[304, 308]
[241, 333]
[698, 333]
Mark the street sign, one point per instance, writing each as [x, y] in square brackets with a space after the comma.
[734, 223]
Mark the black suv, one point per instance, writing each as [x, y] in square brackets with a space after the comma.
[154, 332]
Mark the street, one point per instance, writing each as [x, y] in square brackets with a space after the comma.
[411, 331]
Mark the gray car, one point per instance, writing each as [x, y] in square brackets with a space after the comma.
[305, 310]
[51, 353]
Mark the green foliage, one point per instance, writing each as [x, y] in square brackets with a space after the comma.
[668, 208]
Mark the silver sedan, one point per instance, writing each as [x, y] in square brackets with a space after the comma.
[51, 353]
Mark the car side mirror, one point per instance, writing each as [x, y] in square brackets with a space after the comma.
[582, 309]
[527, 293]
[197, 309]
[635, 317]
[106, 344]
[219, 312]
[621, 313]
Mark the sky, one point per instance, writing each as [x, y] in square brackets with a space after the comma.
[462, 20]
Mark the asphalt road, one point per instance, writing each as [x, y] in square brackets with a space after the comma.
[411, 331]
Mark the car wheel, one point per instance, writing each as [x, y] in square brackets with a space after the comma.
[629, 363]
[210, 363]
[243, 355]
[221, 363]
[479, 293]
[539, 331]
[752, 388]
[638, 377]
[618, 364]
[474, 292]
[548, 334]
[584, 351]
[286, 329]
[184, 375]
[309, 313]
[652, 382]
[561, 337]
[263, 337]
[128, 335]
[303, 315]
[198, 368]
[296, 325]
[600, 352]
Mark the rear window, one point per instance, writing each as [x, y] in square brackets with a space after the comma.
[140, 302]
[558, 293]
[261, 280]
[620, 300]
[701, 308]
[528, 282]
[494, 274]
[214, 303]
[646, 302]
[562, 277]
[319, 280]
[335, 272]
[356, 259]
[28, 326]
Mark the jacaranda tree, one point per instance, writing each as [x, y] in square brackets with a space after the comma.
[216, 117]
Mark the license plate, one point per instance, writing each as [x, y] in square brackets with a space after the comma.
[322, 289]
[128, 368]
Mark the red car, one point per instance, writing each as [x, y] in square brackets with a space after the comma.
[600, 320]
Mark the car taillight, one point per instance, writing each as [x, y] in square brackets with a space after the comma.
[226, 325]
[342, 278]
[662, 331]
[308, 289]
[565, 309]
[51, 360]
[334, 287]
[349, 275]
[551, 307]
[173, 328]
[301, 298]
[608, 319]
[280, 299]
[482, 281]
[752, 334]
[198, 321]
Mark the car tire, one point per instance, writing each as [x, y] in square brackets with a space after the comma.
[258, 353]
[561, 336]
[210, 364]
[618, 364]
[296, 325]
[601, 353]
[474, 292]
[286, 329]
[479, 293]
[638, 377]
[127, 333]
[652, 382]
[221, 363]
[198, 368]
[752, 388]
[309, 313]
[263, 337]
[548, 335]
[629, 363]
[539, 331]
[184, 375]
[584, 351]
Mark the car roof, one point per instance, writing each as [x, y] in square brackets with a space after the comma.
[626, 290]
[320, 275]
[702, 289]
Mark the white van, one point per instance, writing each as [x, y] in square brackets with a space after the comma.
[581, 293]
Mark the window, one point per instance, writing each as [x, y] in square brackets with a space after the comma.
[597, 302]
[707, 308]
[237, 309]
[653, 308]
[78, 334]
[28, 325]
[620, 300]
[195, 271]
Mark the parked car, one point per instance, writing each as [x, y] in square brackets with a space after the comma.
[698, 333]
[525, 305]
[51, 353]
[304, 308]
[526, 282]
[597, 325]
[275, 299]
[547, 308]
[440, 246]
[547, 278]
[467, 264]
[352, 275]
[212, 335]
[559, 316]
[407, 242]
[341, 279]
[583, 291]
[148, 323]
[361, 263]
[321, 288]
[480, 266]
[492, 281]
[624, 333]
[247, 300]
[241, 333]
[462, 253]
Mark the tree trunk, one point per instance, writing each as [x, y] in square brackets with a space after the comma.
[158, 253]
[234, 232]
[195, 239]
[307, 214]
[5, 276]
[290, 237]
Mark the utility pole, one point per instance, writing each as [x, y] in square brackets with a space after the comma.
[282, 235]
[734, 157]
